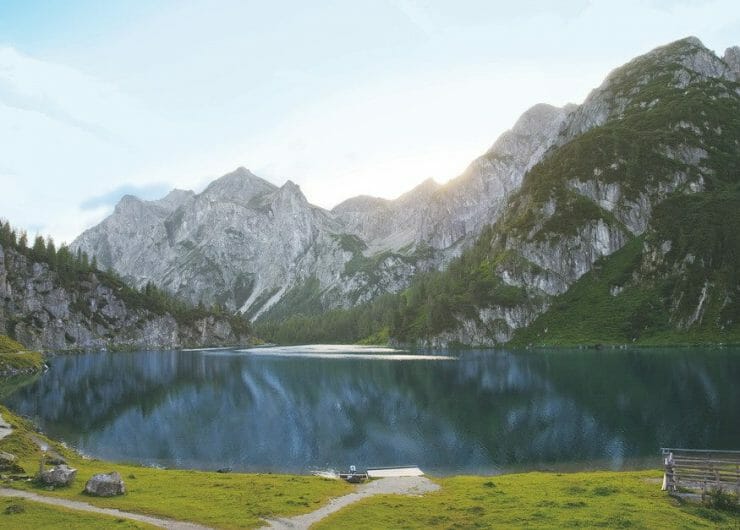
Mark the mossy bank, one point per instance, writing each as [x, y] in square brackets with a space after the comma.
[16, 360]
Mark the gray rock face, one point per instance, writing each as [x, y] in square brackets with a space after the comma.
[732, 59]
[622, 85]
[446, 217]
[105, 485]
[246, 243]
[58, 476]
[45, 315]
[544, 262]
[250, 245]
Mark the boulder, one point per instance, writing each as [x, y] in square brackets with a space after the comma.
[9, 463]
[105, 485]
[7, 459]
[61, 475]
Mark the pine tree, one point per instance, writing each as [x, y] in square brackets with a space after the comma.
[7, 235]
[39, 249]
[51, 252]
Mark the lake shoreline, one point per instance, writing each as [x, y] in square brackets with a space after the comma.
[551, 410]
[595, 347]
[246, 500]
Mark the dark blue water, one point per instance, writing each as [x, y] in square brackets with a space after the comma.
[479, 412]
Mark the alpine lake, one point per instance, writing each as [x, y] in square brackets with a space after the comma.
[302, 409]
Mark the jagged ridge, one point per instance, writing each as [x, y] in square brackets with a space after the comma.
[658, 125]
[664, 128]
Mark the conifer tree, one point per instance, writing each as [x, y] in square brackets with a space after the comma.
[39, 248]
[51, 252]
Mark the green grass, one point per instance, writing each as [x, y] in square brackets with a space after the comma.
[233, 500]
[657, 296]
[539, 500]
[8, 345]
[534, 500]
[21, 513]
[14, 357]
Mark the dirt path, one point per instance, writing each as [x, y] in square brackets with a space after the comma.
[383, 486]
[85, 507]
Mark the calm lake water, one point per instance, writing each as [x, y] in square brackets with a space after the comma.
[299, 409]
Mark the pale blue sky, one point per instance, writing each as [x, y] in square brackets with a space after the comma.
[98, 99]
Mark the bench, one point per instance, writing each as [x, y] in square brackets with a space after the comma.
[701, 469]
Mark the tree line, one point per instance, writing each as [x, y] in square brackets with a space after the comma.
[73, 267]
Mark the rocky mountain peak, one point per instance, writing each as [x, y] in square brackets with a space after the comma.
[732, 59]
[248, 243]
[424, 190]
[531, 135]
[533, 118]
[240, 185]
[361, 203]
[688, 60]
[174, 199]
[290, 194]
[291, 187]
[691, 40]
[128, 203]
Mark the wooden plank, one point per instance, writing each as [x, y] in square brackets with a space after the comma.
[709, 478]
[707, 470]
[704, 461]
[667, 450]
[395, 472]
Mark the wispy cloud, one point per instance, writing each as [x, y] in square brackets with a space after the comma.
[12, 97]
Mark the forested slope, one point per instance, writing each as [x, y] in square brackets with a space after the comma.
[52, 299]
[626, 232]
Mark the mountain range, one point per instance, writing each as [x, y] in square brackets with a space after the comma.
[555, 200]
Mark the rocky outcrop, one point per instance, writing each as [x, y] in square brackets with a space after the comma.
[446, 216]
[662, 126]
[9, 463]
[58, 476]
[732, 59]
[42, 312]
[105, 485]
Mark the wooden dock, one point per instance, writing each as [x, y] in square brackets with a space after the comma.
[701, 469]
[381, 472]
[404, 471]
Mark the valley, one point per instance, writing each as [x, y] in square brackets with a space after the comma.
[529, 333]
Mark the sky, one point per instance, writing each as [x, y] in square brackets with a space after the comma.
[102, 99]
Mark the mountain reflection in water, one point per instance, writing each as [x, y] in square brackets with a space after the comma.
[478, 412]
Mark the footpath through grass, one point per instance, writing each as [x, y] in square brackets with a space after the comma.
[535, 500]
[232, 500]
[21, 513]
